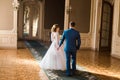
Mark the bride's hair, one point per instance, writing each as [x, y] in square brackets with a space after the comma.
[54, 27]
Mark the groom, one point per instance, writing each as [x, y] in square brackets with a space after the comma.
[72, 44]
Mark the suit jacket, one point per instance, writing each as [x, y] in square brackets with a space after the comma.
[72, 40]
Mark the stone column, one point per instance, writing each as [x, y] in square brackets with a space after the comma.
[115, 36]
[67, 14]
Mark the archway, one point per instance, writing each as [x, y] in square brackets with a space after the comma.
[29, 20]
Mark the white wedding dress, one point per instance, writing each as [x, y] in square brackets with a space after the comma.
[54, 59]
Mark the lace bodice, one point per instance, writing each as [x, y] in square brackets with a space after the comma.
[54, 59]
[55, 37]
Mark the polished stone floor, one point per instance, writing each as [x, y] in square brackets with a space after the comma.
[107, 67]
[20, 65]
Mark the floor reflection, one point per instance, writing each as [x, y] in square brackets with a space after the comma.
[99, 63]
[103, 60]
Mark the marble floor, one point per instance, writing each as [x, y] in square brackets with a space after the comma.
[107, 67]
[20, 65]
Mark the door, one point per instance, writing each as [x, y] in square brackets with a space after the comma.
[106, 27]
[31, 21]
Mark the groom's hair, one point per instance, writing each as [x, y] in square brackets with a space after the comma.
[72, 24]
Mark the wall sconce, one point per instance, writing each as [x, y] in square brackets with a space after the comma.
[69, 9]
[16, 5]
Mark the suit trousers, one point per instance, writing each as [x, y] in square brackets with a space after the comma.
[70, 55]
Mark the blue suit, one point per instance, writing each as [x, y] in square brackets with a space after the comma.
[72, 44]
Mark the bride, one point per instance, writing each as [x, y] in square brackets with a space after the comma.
[54, 59]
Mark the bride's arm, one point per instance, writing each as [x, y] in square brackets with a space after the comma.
[62, 40]
[57, 38]
[52, 37]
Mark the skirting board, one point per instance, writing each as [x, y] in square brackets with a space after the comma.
[116, 56]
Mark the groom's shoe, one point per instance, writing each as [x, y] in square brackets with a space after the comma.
[75, 72]
[68, 74]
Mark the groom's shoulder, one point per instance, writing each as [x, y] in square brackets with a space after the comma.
[66, 30]
[76, 30]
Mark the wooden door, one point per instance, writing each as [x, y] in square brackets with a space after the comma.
[106, 27]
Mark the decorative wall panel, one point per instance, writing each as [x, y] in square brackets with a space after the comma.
[116, 38]
[8, 41]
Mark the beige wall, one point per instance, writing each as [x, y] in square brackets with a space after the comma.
[116, 38]
[6, 15]
[8, 25]
[119, 23]
[119, 27]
